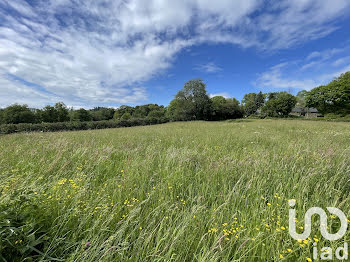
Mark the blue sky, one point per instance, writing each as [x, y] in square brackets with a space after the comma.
[90, 53]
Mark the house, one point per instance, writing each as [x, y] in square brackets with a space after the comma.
[307, 112]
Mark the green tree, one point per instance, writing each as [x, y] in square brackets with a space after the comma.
[62, 112]
[252, 102]
[49, 114]
[126, 116]
[16, 114]
[331, 98]
[191, 103]
[279, 104]
[260, 100]
[2, 116]
[102, 113]
[225, 108]
[301, 98]
[81, 115]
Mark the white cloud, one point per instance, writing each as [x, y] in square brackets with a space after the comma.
[101, 52]
[210, 67]
[325, 65]
[341, 61]
[275, 79]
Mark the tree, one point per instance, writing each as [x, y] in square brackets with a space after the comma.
[49, 114]
[331, 98]
[102, 113]
[252, 102]
[260, 100]
[62, 112]
[16, 114]
[81, 115]
[53, 114]
[126, 116]
[225, 108]
[301, 97]
[191, 103]
[279, 104]
[122, 110]
[1, 116]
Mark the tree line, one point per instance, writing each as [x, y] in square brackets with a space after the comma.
[193, 103]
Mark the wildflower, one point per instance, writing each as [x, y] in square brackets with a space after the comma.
[269, 204]
[87, 244]
[213, 230]
[281, 256]
[227, 238]
[283, 228]
[140, 228]
[309, 259]
[289, 250]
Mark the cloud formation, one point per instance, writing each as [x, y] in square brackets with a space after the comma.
[210, 67]
[102, 52]
[317, 68]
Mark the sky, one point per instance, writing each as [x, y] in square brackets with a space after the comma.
[89, 53]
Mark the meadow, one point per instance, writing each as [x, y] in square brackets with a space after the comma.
[183, 191]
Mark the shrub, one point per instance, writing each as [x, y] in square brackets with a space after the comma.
[72, 126]
[21, 236]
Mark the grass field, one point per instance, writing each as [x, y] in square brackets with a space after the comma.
[195, 191]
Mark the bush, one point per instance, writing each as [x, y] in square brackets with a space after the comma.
[21, 235]
[72, 126]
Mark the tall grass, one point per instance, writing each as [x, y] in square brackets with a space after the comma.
[195, 191]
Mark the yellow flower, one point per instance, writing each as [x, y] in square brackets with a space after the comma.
[281, 256]
[269, 204]
[309, 259]
[283, 228]
[289, 250]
